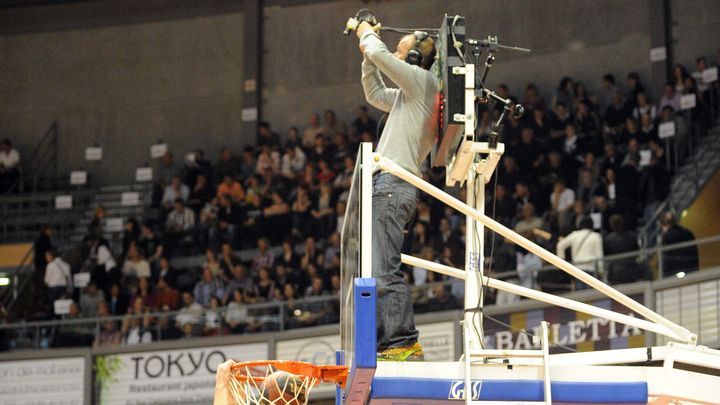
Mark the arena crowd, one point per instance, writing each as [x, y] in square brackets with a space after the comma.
[581, 173]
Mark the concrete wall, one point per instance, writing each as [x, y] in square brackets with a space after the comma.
[696, 30]
[124, 82]
[124, 87]
[583, 39]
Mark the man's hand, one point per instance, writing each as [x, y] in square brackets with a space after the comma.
[365, 26]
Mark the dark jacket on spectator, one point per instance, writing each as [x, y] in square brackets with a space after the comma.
[621, 270]
[677, 260]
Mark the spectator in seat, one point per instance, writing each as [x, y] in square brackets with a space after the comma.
[150, 246]
[227, 165]
[213, 321]
[178, 225]
[166, 170]
[616, 115]
[528, 222]
[670, 98]
[620, 241]
[196, 164]
[228, 260]
[447, 237]
[442, 300]
[701, 64]
[42, 245]
[109, 332]
[680, 73]
[533, 101]
[293, 138]
[311, 132]
[200, 194]
[293, 162]
[166, 272]
[117, 300]
[561, 200]
[90, 299]
[9, 166]
[677, 260]
[131, 234]
[232, 188]
[586, 246]
[331, 125]
[643, 106]
[167, 330]
[634, 86]
[57, 276]
[145, 293]
[363, 123]
[236, 315]
[176, 190]
[564, 94]
[166, 296]
[301, 217]
[264, 286]
[320, 149]
[276, 216]
[266, 137]
[288, 258]
[209, 286]
[136, 329]
[609, 88]
[223, 231]
[263, 258]
[240, 281]
[247, 163]
[190, 313]
[135, 265]
[323, 210]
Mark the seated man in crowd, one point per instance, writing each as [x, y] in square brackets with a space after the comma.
[178, 225]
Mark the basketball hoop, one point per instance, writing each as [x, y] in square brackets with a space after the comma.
[272, 382]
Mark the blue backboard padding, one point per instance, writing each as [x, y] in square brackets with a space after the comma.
[513, 390]
[365, 327]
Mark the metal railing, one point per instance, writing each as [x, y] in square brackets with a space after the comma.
[76, 331]
[20, 278]
[41, 165]
[649, 262]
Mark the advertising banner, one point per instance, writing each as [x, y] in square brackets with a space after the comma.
[43, 382]
[569, 330]
[185, 376]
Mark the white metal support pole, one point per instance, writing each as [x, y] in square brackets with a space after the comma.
[546, 361]
[368, 165]
[633, 305]
[547, 298]
[474, 255]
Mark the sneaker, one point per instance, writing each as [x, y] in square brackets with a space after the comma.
[403, 353]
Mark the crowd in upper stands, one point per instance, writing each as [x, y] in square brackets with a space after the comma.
[580, 173]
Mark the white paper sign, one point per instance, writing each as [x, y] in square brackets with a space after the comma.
[249, 114]
[645, 157]
[62, 307]
[658, 54]
[597, 220]
[687, 101]
[143, 174]
[710, 75]
[93, 153]
[63, 202]
[158, 150]
[81, 280]
[78, 178]
[114, 224]
[130, 198]
[58, 381]
[666, 129]
[180, 376]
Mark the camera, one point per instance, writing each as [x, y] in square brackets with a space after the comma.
[362, 15]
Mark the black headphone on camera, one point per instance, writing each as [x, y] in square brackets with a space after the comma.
[414, 56]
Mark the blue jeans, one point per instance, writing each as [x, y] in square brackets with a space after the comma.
[393, 204]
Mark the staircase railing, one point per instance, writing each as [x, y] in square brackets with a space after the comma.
[41, 166]
[20, 278]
